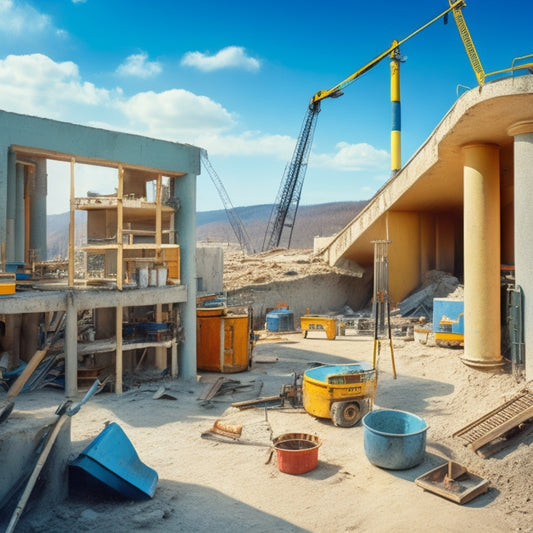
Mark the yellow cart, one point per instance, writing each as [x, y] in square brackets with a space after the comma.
[343, 393]
[320, 323]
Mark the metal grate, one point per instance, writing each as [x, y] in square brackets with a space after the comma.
[497, 422]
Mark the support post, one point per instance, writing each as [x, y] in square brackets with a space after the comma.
[523, 221]
[482, 256]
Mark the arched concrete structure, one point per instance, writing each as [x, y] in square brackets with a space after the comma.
[421, 207]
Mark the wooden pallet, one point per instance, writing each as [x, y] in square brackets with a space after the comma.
[498, 421]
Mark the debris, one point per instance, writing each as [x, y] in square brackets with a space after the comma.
[162, 393]
[227, 386]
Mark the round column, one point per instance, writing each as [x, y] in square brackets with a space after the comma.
[523, 222]
[481, 174]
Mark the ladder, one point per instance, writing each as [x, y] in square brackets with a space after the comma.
[498, 421]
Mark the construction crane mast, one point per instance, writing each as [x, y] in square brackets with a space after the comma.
[234, 219]
[283, 215]
[284, 211]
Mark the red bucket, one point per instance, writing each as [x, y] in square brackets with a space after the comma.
[297, 453]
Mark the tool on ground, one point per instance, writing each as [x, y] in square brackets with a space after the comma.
[7, 405]
[454, 482]
[64, 412]
[291, 392]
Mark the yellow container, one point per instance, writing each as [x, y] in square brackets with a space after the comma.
[222, 340]
[7, 283]
[343, 393]
[321, 323]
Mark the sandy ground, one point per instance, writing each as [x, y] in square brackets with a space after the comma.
[206, 485]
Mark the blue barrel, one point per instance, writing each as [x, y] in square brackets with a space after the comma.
[394, 440]
[280, 320]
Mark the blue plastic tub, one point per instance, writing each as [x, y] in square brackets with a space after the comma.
[280, 320]
[395, 440]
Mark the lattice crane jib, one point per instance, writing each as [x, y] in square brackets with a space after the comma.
[234, 219]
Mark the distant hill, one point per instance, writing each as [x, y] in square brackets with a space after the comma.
[213, 226]
[312, 220]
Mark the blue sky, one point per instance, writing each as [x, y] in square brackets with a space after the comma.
[235, 78]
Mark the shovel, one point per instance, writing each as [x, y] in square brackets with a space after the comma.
[65, 410]
[6, 406]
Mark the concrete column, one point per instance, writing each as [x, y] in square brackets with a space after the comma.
[185, 225]
[482, 255]
[10, 206]
[19, 214]
[38, 188]
[523, 245]
[71, 347]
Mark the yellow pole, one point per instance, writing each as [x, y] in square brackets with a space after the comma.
[395, 140]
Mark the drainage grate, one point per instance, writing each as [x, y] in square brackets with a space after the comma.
[497, 422]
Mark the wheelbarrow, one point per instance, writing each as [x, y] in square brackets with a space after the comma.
[343, 393]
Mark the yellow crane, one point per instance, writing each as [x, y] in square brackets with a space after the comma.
[283, 214]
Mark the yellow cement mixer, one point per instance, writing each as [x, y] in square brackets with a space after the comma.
[343, 393]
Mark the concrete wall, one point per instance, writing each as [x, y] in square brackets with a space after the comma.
[210, 269]
[322, 295]
[21, 438]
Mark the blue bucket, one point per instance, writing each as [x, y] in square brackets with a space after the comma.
[395, 440]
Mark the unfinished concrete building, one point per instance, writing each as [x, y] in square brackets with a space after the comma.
[461, 204]
[133, 276]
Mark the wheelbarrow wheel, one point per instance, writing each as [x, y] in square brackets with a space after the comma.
[345, 414]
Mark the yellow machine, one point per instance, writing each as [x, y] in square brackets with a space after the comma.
[319, 323]
[343, 393]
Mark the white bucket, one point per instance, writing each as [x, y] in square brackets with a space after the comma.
[153, 277]
[162, 274]
[142, 277]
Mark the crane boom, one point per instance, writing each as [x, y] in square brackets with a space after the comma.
[233, 217]
[284, 211]
[468, 44]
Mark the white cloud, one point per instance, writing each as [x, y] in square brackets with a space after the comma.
[35, 84]
[247, 144]
[231, 57]
[353, 158]
[138, 65]
[176, 114]
[20, 19]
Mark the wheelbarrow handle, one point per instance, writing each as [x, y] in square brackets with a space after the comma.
[89, 394]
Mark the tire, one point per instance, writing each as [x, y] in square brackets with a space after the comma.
[345, 414]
